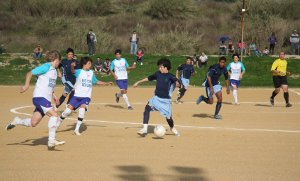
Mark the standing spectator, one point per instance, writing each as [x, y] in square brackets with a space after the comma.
[294, 39]
[279, 72]
[38, 52]
[139, 56]
[272, 41]
[133, 43]
[203, 60]
[91, 42]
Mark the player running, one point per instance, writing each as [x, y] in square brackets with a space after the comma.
[165, 85]
[213, 86]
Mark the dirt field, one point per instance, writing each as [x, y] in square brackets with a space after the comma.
[253, 141]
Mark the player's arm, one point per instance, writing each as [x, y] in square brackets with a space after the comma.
[111, 68]
[129, 68]
[55, 99]
[73, 65]
[140, 81]
[211, 88]
[27, 82]
[177, 74]
[274, 69]
[98, 82]
[227, 82]
[243, 71]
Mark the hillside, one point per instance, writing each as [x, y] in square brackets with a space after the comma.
[164, 26]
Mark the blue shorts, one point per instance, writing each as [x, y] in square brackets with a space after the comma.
[185, 82]
[164, 106]
[68, 85]
[76, 102]
[217, 88]
[122, 84]
[42, 105]
[237, 83]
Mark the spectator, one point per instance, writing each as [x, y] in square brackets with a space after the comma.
[272, 41]
[91, 41]
[98, 66]
[203, 60]
[253, 50]
[106, 65]
[133, 43]
[294, 39]
[242, 47]
[266, 52]
[222, 48]
[230, 49]
[38, 52]
[139, 56]
[195, 60]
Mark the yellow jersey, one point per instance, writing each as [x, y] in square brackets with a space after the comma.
[279, 65]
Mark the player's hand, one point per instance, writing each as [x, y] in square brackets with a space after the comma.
[24, 88]
[116, 77]
[73, 64]
[109, 83]
[212, 91]
[56, 100]
[178, 84]
[288, 73]
[241, 76]
[228, 91]
[135, 84]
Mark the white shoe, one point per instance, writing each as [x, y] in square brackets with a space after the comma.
[142, 132]
[77, 133]
[12, 124]
[174, 130]
[141, 63]
[53, 143]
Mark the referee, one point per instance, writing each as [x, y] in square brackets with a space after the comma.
[279, 79]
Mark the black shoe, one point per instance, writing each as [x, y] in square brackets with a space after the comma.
[117, 98]
[272, 101]
[288, 105]
[130, 108]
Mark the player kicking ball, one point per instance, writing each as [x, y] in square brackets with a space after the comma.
[42, 96]
[85, 78]
[165, 85]
[213, 86]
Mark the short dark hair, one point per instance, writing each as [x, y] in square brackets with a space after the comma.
[236, 54]
[85, 60]
[69, 50]
[165, 62]
[189, 58]
[118, 51]
[222, 58]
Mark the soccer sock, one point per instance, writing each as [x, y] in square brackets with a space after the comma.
[81, 113]
[147, 114]
[145, 127]
[205, 99]
[70, 96]
[170, 122]
[218, 107]
[273, 94]
[66, 113]
[24, 122]
[79, 122]
[61, 100]
[126, 100]
[286, 97]
[181, 93]
[52, 127]
[119, 95]
[235, 95]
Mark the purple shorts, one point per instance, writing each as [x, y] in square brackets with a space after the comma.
[237, 83]
[76, 102]
[42, 105]
[122, 84]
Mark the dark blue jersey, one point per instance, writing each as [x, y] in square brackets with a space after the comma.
[165, 84]
[66, 69]
[186, 70]
[215, 72]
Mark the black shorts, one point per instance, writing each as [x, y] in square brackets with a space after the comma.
[279, 80]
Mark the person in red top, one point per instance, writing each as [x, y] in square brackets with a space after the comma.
[139, 56]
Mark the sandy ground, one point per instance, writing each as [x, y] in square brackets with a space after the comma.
[253, 141]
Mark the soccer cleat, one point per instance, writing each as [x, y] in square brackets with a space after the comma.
[143, 132]
[217, 116]
[200, 99]
[12, 124]
[77, 133]
[236, 103]
[117, 98]
[53, 143]
[141, 63]
[130, 108]
[174, 130]
[272, 101]
[288, 105]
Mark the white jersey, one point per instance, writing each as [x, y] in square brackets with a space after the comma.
[120, 66]
[236, 69]
[46, 81]
[84, 83]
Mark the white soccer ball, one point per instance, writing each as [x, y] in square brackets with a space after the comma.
[159, 131]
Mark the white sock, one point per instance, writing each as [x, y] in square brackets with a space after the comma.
[145, 127]
[66, 113]
[126, 100]
[78, 125]
[24, 122]
[235, 95]
[52, 127]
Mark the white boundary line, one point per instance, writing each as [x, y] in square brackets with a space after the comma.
[292, 90]
[15, 111]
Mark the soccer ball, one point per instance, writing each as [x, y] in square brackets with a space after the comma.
[159, 131]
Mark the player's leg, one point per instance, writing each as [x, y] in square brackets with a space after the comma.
[171, 124]
[81, 113]
[277, 85]
[123, 84]
[146, 119]
[218, 105]
[183, 89]
[52, 141]
[286, 95]
[208, 99]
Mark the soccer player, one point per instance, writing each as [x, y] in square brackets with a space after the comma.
[279, 73]
[165, 85]
[186, 71]
[236, 70]
[85, 78]
[42, 96]
[213, 86]
[67, 77]
[118, 68]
